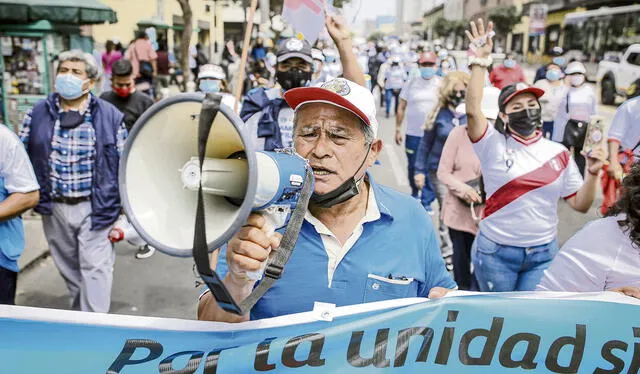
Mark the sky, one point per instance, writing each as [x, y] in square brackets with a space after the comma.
[370, 9]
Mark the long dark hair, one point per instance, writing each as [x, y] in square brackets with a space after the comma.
[629, 204]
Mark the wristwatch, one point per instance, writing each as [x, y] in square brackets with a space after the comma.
[484, 62]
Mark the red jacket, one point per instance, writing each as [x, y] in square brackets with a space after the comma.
[503, 76]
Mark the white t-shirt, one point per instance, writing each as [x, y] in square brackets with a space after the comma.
[551, 99]
[421, 96]
[582, 105]
[599, 257]
[15, 166]
[532, 218]
[230, 101]
[625, 127]
[395, 77]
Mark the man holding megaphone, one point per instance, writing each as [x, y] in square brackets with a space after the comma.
[360, 241]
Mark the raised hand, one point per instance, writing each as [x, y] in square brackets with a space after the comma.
[337, 28]
[481, 39]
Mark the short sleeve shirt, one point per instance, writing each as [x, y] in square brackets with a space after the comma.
[586, 264]
[395, 77]
[389, 260]
[535, 168]
[16, 176]
[140, 50]
[421, 96]
[625, 127]
[15, 167]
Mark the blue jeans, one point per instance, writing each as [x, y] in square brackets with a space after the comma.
[388, 95]
[426, 195]
[503, 268]
[547, 128]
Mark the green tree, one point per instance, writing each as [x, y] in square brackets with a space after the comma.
[504, 18]
[375, 36]
[442, 27]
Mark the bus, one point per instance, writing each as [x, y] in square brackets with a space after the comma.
[593, 35]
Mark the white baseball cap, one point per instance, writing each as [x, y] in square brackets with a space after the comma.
[340, 92]
[575, 67]
[212, 72]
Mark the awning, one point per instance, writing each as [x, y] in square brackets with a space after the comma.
[77, 12]
[157, 23]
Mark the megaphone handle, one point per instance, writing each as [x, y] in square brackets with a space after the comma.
[270, 229]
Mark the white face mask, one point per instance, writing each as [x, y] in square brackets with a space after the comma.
[577, 80]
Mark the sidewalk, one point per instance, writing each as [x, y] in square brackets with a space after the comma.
[35, 246]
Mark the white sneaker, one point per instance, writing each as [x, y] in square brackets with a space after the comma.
[145, 251]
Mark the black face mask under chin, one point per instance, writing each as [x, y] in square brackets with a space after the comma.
[525, 122]
[344, 192]
[293, 78]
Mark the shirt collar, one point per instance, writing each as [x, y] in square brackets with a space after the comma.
[92, 100]
[371, 214]
[524, 141]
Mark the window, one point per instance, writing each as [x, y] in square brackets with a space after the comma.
[634, 58]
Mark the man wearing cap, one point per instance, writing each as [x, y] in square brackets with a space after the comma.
[319, 76]
[524, 176]
[267, 115]
[556, 58]
[418, 98]
[212, 79]
[357, 243]
[394, 78]
[123, 94]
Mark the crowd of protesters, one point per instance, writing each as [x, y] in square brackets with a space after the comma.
[489, 156]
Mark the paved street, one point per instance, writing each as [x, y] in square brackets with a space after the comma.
[164, 286]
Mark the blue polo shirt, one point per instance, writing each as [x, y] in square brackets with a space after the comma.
[400, 245]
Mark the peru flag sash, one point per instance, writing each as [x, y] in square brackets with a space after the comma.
[540, 177]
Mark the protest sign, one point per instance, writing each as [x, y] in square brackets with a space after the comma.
[306, 17]
[497, 333]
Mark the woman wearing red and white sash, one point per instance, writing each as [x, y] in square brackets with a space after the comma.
[524, 177]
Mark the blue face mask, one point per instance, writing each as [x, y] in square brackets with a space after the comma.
[330, 59]
[209, 86]
[559, 61]
[69, 86]
[553, 75]
[509, 63]
[427, 72]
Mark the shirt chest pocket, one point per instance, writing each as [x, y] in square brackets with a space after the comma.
[379, 288]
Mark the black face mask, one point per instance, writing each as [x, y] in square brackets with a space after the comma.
[456, 100]
[293, 78]
[71, 119]
[525, 122]
[344, 192]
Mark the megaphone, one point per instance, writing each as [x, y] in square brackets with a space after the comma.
[160, 176]
[189, 178]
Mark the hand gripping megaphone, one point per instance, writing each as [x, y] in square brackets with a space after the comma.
[189, 178]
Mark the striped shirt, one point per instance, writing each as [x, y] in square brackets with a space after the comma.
[72, 158]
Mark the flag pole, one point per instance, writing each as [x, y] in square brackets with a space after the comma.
[245, 53]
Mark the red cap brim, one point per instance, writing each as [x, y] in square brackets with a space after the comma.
[537, 92]
[298, 96]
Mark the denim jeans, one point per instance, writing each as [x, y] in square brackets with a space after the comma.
[388, 95]
[503, 268]
[426, 195]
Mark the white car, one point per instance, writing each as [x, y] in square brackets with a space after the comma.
[617, 74]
